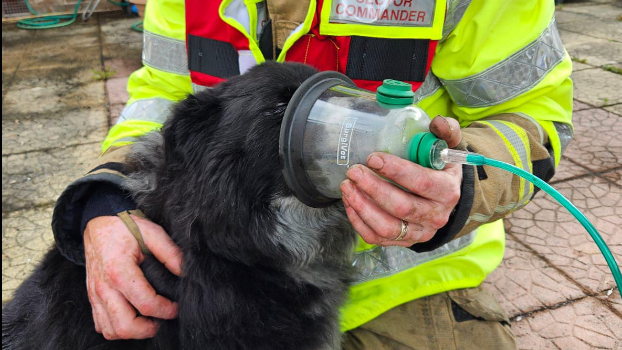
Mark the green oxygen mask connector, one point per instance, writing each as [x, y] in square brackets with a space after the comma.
[426, 149]
[395, 94]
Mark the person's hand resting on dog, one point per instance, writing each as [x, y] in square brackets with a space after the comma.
[376, 207]
[116, 285]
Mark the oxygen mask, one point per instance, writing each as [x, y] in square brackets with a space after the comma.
[330, 125]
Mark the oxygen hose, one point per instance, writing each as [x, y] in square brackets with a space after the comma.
[462, 157]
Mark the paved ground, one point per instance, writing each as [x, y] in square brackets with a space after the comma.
[553, 281]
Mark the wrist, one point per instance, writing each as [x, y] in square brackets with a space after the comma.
[106, 200]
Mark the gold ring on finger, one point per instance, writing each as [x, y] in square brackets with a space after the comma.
[403, 232]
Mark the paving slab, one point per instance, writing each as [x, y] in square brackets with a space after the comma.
[47, 43]
[7, 81]
[606, 11]
[37, 131]
[524, 282]
[617, 109]
[612, 297]
[119, 31]
[69, 57]
[615, 176]
[26, 237]
[38, 178]
[124, 67]
[578, 106]
[115, 112]
[596, 144]
[583, 325]
[605, 28]
[595, 52]
[49, 99]
[75, 39]
[63, 78]
[590, 2]
[131, 50]
[597, 87]
[11, 61]
[14, 39]
[117, 90]
[564, 16]
[554, 234]
[578, 66]
[568, 170]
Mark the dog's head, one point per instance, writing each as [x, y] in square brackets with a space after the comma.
[213, 178]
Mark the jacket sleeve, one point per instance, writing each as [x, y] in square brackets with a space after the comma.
[507, 79]
[153, 89]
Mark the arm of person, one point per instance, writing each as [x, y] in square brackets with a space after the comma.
[86, 226]
[153, 89]
[503, 77]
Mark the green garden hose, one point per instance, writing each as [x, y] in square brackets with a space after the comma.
[55, 21]
[48, 21]
[138, 26]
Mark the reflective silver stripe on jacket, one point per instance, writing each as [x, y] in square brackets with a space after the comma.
[565, 133]
[512, 76]
[519, 146]
[455, 11]
[380, 261]
[150, 109]
[534, 123]
[428, 88]
[166, 54]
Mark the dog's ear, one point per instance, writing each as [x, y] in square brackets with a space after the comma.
[190, 127]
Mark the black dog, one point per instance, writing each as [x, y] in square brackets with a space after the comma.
[261, 270]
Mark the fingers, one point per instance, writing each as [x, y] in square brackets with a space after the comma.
[123, 318]
[435, 185]
[160, 244]
[424, 198]
[379, 221]
[359, 225]
[395, 201]
[129, 280]
[116, 285]
[102, 322]
[374, 224]
[368, 234]
[100, 316]
[447, 129]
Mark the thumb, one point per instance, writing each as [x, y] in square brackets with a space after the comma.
[160, 244]
[447, 129]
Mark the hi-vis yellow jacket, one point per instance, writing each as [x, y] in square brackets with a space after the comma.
[499, 68]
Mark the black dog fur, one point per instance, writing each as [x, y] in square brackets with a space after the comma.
[260, 271]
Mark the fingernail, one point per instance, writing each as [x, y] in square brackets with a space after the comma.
[346, 188]
[451, 129]
[375, 162]
[355, 173]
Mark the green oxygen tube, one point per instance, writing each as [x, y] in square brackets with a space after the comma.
[426, 150]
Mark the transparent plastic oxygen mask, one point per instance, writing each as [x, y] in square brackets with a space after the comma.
[345, 126]
[330, 125]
